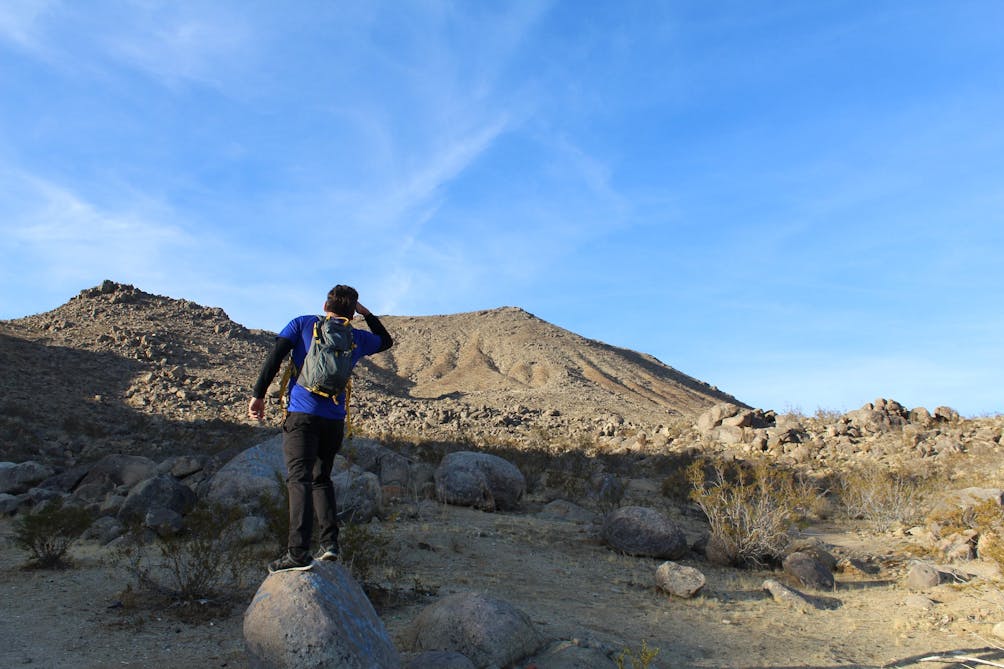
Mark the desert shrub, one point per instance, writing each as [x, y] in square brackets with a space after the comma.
[362, 549]
[985, 518]
[48, 533]
[207, 560]
[750, 507]
[640, 660]
[827, 415]
[569, 474]
[882, 495]
[672, 468]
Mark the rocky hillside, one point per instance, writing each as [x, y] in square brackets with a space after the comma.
[117, 369]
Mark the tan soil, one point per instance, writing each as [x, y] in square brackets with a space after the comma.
[570, 585]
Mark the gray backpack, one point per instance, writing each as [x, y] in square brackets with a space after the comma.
[328, 365]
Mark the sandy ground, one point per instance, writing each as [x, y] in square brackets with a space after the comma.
[554, 570]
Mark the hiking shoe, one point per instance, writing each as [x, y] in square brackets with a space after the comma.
[327, 553]
[289, 563]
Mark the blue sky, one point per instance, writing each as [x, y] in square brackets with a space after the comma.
[799, 202]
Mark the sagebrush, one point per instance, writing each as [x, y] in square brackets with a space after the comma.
[206, 561]
[48, 533]
[883, 495]
[751, 507]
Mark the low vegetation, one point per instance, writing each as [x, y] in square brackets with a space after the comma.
[205, 563]
[883, 495]
[750, 507]
[48, 533]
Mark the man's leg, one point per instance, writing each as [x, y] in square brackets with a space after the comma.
[300, 439]
[329, 444]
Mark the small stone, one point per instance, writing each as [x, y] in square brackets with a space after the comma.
[922, 576]
[679, 580]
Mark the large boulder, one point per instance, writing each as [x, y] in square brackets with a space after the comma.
[315, 618]
[111, 475]
[488, 631]
[159, 492]
[714, 416]
[254, 472]
[481, 480]
[637, 530]
[117, 470]
[18, 478]
[574, 654]
[358, 495]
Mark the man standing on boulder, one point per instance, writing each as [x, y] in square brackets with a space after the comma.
[314, 427]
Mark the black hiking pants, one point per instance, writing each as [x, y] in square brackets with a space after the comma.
[310, 444]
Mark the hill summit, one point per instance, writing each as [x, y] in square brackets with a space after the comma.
[114, 359]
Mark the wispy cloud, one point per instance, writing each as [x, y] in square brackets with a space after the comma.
[170, 42]
[180, 42]
[54, 236]
[22, 24]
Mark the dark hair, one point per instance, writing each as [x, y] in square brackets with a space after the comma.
[342, 301]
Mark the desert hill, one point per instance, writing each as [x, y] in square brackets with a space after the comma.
[117, 370]
[509, 354]
[115, 361]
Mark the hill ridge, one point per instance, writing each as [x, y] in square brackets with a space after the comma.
[490, 375]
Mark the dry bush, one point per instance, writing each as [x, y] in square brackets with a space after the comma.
[882, 495]
[207, 561]
[48, 533]
[985, 518]
[640, 660]
[362, 549]
[751, 507]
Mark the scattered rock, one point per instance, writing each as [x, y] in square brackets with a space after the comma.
[18, 478]
[164, 522]
[159, 492]
[9, 504]
[788, 596]
[561, 509]
[104, 530]
[916, 601]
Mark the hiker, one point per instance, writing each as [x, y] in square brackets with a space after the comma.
[314, 425]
